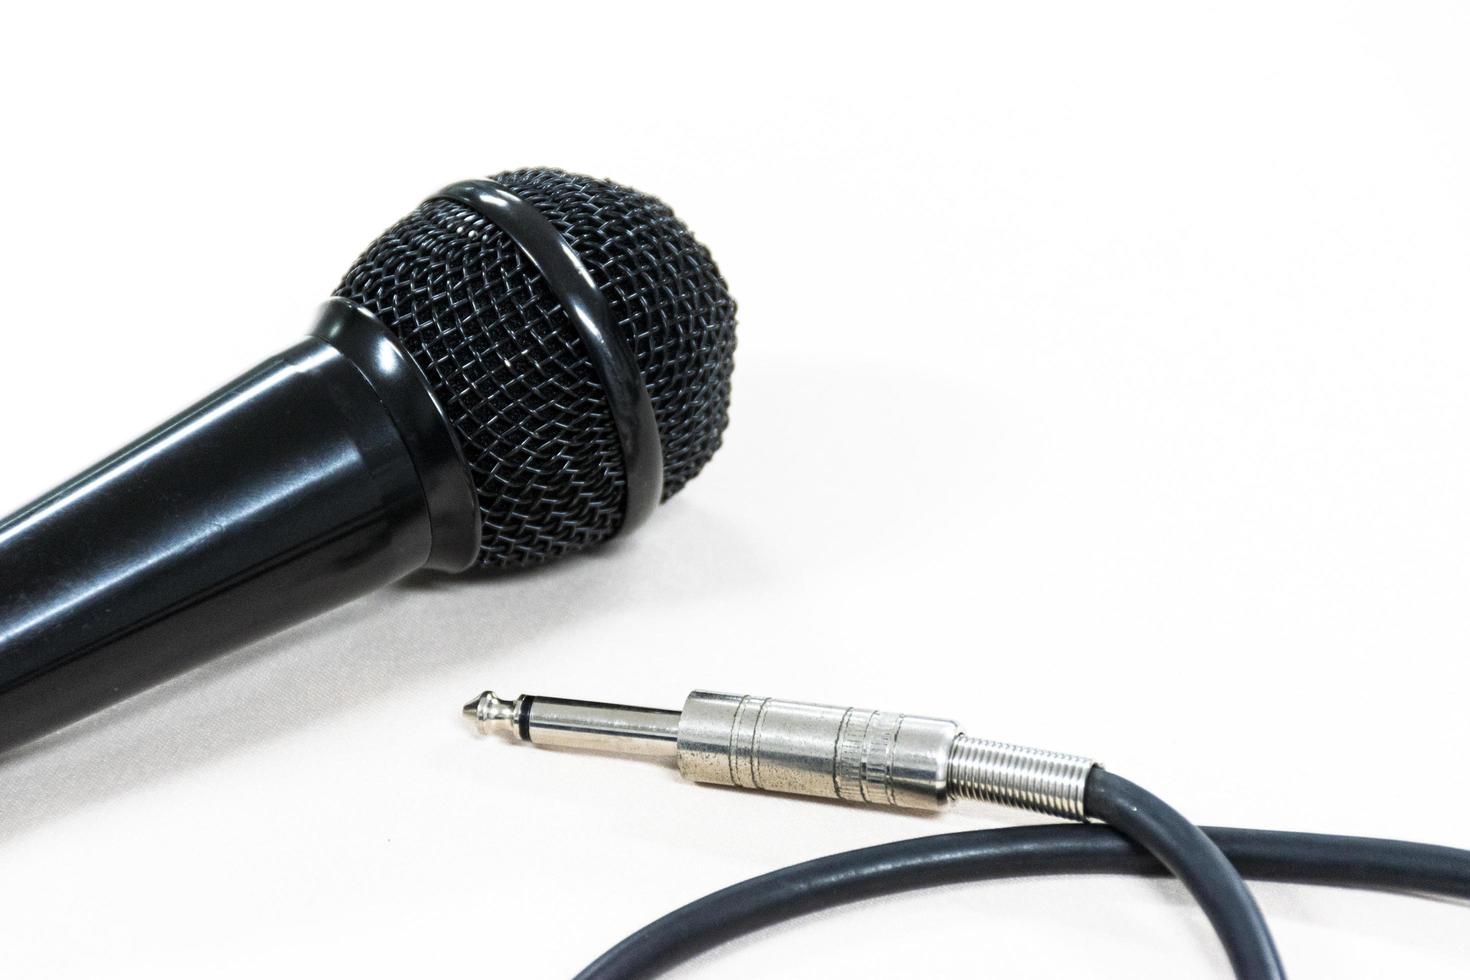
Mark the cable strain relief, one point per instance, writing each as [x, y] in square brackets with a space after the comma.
[1053, 783]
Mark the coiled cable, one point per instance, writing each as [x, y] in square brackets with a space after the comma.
[1017, 852]
[1196, 861]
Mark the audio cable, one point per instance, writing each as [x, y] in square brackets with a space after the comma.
[919, 762]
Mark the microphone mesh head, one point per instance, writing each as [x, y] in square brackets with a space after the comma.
[509, 368]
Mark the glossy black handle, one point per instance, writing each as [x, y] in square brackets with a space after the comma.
[322, 474]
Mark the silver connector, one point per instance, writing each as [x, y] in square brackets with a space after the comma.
[810, 749]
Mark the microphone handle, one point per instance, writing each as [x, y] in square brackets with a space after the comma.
[324, 473]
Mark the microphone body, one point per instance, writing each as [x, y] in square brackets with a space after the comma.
[517, 370]
[322, 474]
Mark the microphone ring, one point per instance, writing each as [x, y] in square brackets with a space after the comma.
[610, 353]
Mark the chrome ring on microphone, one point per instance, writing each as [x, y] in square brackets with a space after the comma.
[611, 355]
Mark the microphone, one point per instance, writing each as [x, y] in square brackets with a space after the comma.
[523, 367]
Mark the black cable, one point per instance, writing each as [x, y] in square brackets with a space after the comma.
[1317, 859]
[1197, 862]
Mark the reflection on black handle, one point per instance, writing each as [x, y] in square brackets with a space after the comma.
[321, 475]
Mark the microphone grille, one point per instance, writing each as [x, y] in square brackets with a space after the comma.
[510, 370]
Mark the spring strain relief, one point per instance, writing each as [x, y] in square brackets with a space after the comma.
[1014, 775]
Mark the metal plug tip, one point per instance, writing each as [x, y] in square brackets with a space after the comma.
[490, 713]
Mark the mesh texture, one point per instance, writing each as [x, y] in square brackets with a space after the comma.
[510, 370]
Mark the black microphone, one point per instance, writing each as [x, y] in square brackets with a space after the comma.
[521, 368]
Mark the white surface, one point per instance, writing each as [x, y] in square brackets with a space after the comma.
[1120, 352]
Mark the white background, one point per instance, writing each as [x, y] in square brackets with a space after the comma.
[1102, 383]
